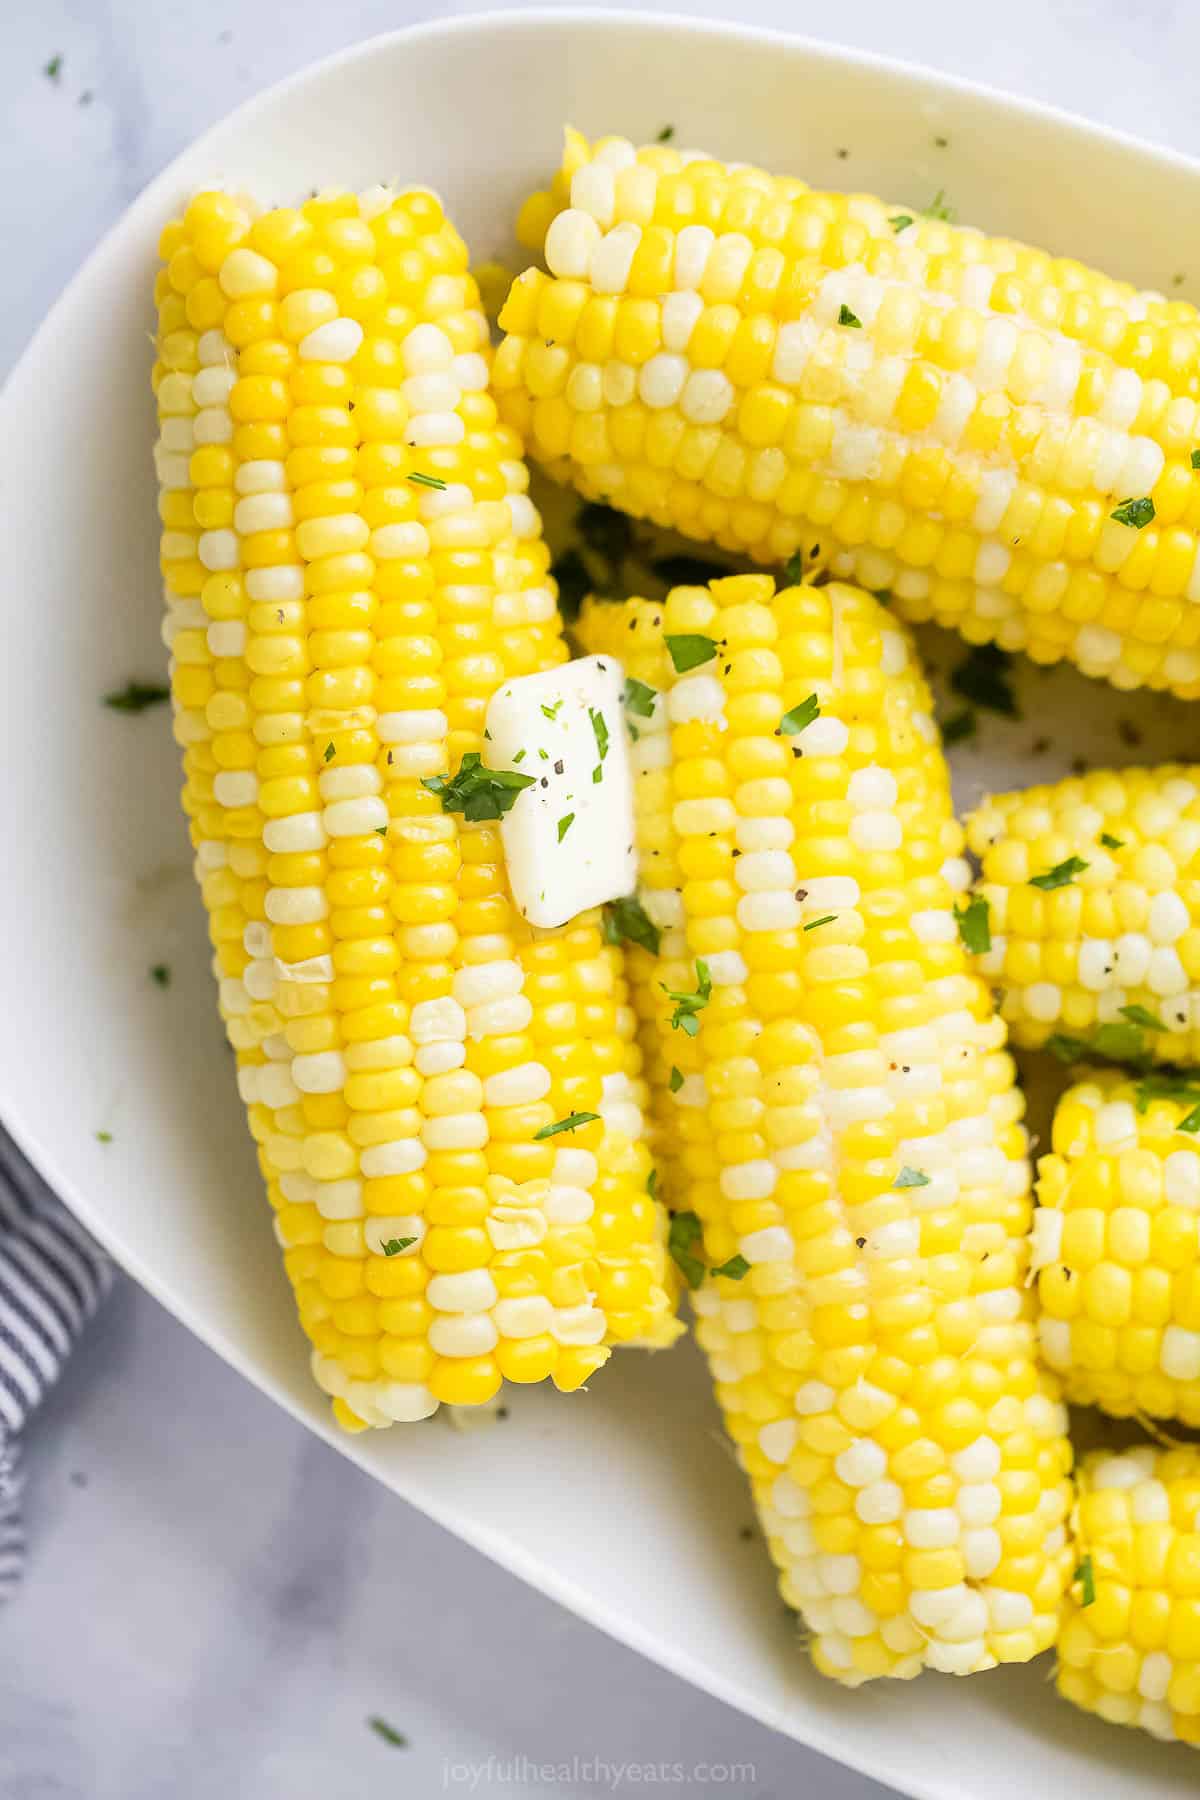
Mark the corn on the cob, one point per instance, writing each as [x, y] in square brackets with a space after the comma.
[846, 1127]
[1000, 438]
[1093, 895]
[1117, 1247]
[352, 567]
[1129, 1648]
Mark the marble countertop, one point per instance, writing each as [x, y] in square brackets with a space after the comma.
[216, 1603]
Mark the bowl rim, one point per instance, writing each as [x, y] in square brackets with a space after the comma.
[841, 1746]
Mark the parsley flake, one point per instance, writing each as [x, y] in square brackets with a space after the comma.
[1136, 513]
[551, 712]
[599, 731]
[683, 1235]
[690, 650]
[665, 135]
[794, 721]
[160, 975]
[827, 920]
[429, 481]
[640, 697]
[626, 921]
[793, 569]
[940, 208]
[1061, 875]
[846, 317]
[476, 792]
[570, 1123]
[564, 825]
[901, 221]
[1066, 1048]
[688, 1006]
[53, 68]
[330, 752]
[975, 925]
[911, 1178]
[1139, 1015]
[394, 1246]
[1110, 842]
[388, 1733]
[1118, 1042]
[136, 696]
[1085, 1575]
[675, 1079]
[1196, 459]
[104, 1137]
[734, 1269]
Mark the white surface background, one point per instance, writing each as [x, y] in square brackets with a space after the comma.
[216, 1603]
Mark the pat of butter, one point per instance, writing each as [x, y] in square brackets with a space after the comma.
[568, 839]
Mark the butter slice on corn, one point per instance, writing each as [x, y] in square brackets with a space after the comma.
[844, 1121]
[1000, 438]
[352, 568]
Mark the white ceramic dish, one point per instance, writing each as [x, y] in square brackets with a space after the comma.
[623, 1504]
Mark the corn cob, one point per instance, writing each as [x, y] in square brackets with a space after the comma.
[352, 567]
[1116, 1250]
[1129, 1649]
[1093, 896]
[846, 1128]
[1000, 438]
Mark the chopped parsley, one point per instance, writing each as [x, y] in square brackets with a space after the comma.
[136, 696]
[1119, 1042]
[985, 680]
[901, 221]
[1166, 1087]
[734, 1269]
[1085, 1575]
[960, 726]
[627, 921]
[940, 208]
[793, 568]
[690, 650]
[1066, 1048]
[160, 975]
[476, 792]
[597, 775]
[911, 1178]
[429, 481]
[388, 1733]
[564, 825]
[665, 135]
[520, 756]
[330, 752]
[104, 1137]
[675, 1079]
[652, 1184]
[599, 731]
[551, 712]
[846, 317]
[640, 697]
[683, 1235]
[53, 68]
[975, 925]
[394, 1246]
[381, 831]
[687, 571]
[570, 1123]
[1138, 1015]
[1110, 842]
[794, 721]
[1061, 875]
[1136, 513]
[688, 1006]
[1196, 459]
[827, 920]
[570, 573]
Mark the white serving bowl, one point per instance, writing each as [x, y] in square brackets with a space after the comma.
[624, 1504]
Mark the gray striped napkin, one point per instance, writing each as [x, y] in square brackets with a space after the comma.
[52, 1278]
